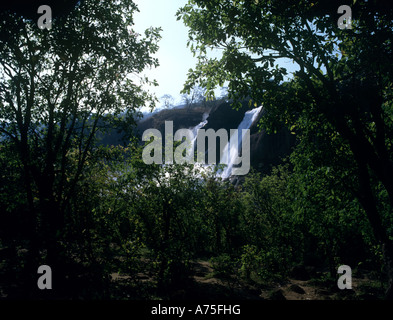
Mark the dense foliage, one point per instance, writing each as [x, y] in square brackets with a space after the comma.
[99, 216]
[338, 101]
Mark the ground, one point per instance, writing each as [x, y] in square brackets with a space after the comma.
[203, 284]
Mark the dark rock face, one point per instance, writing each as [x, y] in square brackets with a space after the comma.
[267, 150]
[182, 118]
[225, 117]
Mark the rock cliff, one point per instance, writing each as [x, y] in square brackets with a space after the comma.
[267, 150]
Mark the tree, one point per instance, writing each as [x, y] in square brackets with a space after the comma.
[274, 241]
[167, 202]
[334, 227]
[195, 98]
[59, 88]
[343, 86]
[168, 100]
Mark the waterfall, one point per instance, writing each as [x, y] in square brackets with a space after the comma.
[197, 127]
[231, 155]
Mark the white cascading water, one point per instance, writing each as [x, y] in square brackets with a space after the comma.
[197, 127]
[232, 154]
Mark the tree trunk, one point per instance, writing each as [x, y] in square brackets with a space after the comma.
[164, 247]
[373, 157]
[387, 250]
[51, 230]
[368, 202]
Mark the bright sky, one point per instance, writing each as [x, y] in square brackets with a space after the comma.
[174, 57]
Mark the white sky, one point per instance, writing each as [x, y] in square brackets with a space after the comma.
[174, 57]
